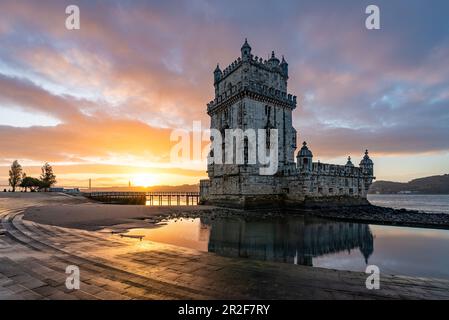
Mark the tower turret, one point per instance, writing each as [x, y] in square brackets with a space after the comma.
[217, 74]
[349, 163]
[246, 51]
[304, 158]
[273, 61]
[284, 67]
[367, 164]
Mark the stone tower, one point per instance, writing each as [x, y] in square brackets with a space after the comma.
[251, 93]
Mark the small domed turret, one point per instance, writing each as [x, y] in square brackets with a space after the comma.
[367, 164]
[349, 163]
[273, 61]
[305, 152]
[304, 158]
[217, 74]
[284, 67]
[366, 159]
[246, 51]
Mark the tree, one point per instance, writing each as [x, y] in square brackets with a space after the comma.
[48, 178]
[24, 175]
[15, 175]
[32, 183]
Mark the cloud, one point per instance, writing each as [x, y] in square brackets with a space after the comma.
[136, 70]
[29, 97]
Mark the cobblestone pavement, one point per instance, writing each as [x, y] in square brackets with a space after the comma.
[34, 257]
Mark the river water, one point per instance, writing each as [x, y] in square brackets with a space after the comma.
[320, 242]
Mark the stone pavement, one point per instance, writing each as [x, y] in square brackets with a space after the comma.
[34, 257]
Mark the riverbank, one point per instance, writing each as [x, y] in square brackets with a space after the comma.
[371, 214]
[83, 214]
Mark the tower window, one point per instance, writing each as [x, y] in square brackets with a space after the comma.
[267, 110]
[268, 136]
[245, 150]
[223, 152]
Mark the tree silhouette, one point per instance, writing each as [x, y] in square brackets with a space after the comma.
[48, 178]
[30, 182]
[15, 175]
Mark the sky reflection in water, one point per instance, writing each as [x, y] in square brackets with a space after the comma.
[314, 242]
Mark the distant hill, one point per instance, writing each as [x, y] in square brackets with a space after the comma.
[427, 185]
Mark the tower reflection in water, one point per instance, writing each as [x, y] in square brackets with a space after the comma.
[292, 239]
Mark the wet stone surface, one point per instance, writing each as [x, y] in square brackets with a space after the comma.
[34, 257]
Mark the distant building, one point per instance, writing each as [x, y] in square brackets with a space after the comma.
[65, 190]
[251, 93]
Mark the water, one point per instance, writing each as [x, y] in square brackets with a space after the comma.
[320, 242]
[425, 203]
[314, 242]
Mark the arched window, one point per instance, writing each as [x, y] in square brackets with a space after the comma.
[245, 150]
[223, 143]
[268, 137]
[267, 110]
[268, 134]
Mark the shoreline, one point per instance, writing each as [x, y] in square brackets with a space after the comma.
[94, 216]
[169, 261]
[387, 216]
[82, 213]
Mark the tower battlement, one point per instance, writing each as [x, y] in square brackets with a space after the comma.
[268, 65]
[249, 74]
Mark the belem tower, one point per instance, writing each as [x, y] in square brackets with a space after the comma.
[251, 93]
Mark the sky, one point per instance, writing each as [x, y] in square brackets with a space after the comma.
[100, 102]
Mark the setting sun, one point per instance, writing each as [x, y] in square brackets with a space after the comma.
[144, 180]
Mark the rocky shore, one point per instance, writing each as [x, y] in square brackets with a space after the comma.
[83, 214]
[382, 215]
[360, 214]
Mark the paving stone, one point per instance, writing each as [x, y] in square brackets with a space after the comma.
[58, 295]
[159, 271]
[110, 295]
[82, 295]
[90, 289]
[16, 288]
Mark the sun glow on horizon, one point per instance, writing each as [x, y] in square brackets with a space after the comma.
[144, 180]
